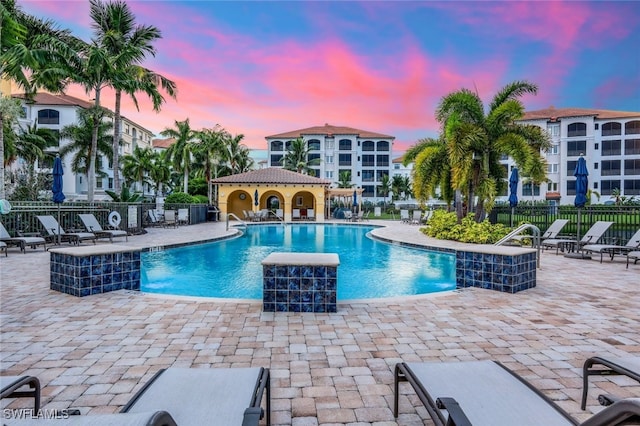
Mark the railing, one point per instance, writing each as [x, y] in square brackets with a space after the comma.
[242, 222]
[518, 231]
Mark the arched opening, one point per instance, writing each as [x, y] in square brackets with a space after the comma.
[238, 203]
[303, 206]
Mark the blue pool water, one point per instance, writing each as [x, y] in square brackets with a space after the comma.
[232, 268]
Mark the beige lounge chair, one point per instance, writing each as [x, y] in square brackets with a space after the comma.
[92, 225]
[417, 217]
[183, 216]
[311, 214]
[592, 236]
[21, 242]
[601, 366]
[404, 216]
[170, 218]
[52, 227]
[552, 231]
[635, 255]
[3, 247]
[611, 249]
[295, 214]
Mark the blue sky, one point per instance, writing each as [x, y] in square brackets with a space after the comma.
[266, 67]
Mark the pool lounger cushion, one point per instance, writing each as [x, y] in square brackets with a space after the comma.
[13, 387]
[158, 418]
[199, 396]
[627, 366]
[485, 393]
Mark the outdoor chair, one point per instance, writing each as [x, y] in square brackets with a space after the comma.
[611, 249]
[417, 217]
[348, 215]
[486, 393]
[21, 387]
[552, 231]
[183, 216]
[170, 218]
[295, 214]
[280, 214]
[592, 236]
[3, 247]
[52, 227]
[153, 219]
[311, 214]
[635, 255]
[600, 366]
[92, 225]
[21, 242]
[198, 396]
[404, 216]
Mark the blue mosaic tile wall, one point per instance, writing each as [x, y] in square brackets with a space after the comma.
[507, 273]
[299, 288]
[94, 274]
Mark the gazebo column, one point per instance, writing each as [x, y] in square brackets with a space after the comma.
[287, 207]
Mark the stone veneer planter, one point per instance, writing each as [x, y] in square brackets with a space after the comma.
[82, 271]
[300, 282]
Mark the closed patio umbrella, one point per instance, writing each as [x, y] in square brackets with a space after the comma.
[58, 195]
[582, 183]
[513, 191]
[355, 201]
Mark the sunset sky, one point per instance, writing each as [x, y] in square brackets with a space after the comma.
[267, 67]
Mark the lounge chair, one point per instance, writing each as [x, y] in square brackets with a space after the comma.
[417, 217]
[295, 214]
[611, 249]
[52, 227]
[92, 225]
[552, 231]
[592, 236]
[198, 396]
[3, 247]
[348, 215]
[483, 393]
[280, 214]
[170, 218]
[311, 214]
[627, 366]
[183, 216]
[22, 242]
[404, 216]
[635, 255]
[153, 219]
[15, 387]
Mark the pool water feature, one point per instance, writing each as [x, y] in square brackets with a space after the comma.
[232, 268]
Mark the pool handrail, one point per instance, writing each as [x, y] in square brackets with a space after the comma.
[238, 219]
[518, 230]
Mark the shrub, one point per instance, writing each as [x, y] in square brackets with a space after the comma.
[200, 199]
[179, 198]
[445, 226]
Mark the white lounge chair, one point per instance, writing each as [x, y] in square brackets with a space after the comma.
[311, 214]
[552, 231]
[611, 249]
[348, 215]
[635, 255]
[21, 242]
[52, 227]
[592, 236]
[3, 247]
[417, 217]
[92, 225]
[170, 218]
[183, 216]
[404, 216]
[295, 214]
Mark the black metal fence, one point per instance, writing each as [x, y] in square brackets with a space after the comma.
[626, 219]
[22, 217]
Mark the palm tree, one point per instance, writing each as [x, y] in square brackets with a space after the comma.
[384, 188]
[180, 152]
[81, 136]
[476, 141]
[160, 172]
[30, 144]
[208, 153]
[297, 158]
[431, 169]
[344, 179]
[396, 187]
[128, 44]
[235, 154]
[137, 166]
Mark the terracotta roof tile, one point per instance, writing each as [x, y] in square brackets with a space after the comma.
[330, 130]
[163, 143]
[272, 175]
[44, 98]
[554, 114]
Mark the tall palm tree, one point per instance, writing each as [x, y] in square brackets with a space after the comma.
[180, 152]
[208, 153]
[384, 188]
[235, 154]
[128, 44]
[137, 165]
[344, 179]
[297, 157]
[81, 136]
[30, 143]
[160, 172]
[476, 141]
[431, 169]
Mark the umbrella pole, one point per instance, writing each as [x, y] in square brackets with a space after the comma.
[59, 224]
[512, 209]
[578, 233]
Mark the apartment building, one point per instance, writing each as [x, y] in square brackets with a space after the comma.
[57, 111]
[609, 142]
[364, 154]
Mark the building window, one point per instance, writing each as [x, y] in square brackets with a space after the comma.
[632, 146]
[368, 160]
[276, 159]
[526, 189]
[110, 183]
[380, 174]
[554, 150]
[312, 157]
[611, 148]
[346, 172]
[383, 146]
[632, 187]
[571, 166]
[99, 182]
[396, 167]
[126, 129]
[344, 145]
[611, 129]
[607, 186]
[632, 167]
[329, 144]
[368, 146]
[368, 191]
[277, 145]
[328, 159]
[344, 159]
[576, 148]
[610, 168]
[632, 128]
[48, 116]
[595, 185]
[595, 166]
[328, 174]
[314, 145]
[577, 129]
[552, 187]
[314, 172]
[382, 161]
[571, 187]
[367, 176]
[552, 168]
[553, 130]
[287, 145]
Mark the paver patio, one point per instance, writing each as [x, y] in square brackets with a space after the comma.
[94, 353]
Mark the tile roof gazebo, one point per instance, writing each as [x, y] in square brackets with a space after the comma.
[281, 191]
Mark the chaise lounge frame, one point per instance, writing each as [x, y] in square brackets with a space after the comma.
[600, 366]
[10, 387]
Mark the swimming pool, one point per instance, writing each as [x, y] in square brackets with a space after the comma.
[232, 269]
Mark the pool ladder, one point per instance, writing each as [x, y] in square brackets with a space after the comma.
[517, 231]
[242, 222]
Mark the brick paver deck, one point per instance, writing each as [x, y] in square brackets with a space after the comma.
[94, 353]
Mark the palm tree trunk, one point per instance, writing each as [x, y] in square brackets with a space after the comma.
[186, 181]
[91, 170]
[2, 196]
[459, 207]
[116, 143]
